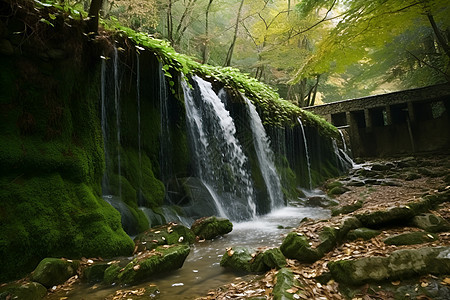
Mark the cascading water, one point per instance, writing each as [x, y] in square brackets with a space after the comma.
[220, 162]
[344, 161]
[265, 157]
[138, 100]
[117, 106]
[344, 144]
[308, 161]
[165, 140]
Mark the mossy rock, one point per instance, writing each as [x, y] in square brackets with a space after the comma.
[150, 263]
[333, 184]
[362, 233]
[338, 190]
[297, 246]
[24, 291]
[347, 224]
[285, 281]
[382, 167]
[168, 234]
[268, 259]
[54, 271]
[210, 227]
[400, 264]
[346, 209]
[411, 238]
[238, 258]
[243, 259]
[328, 239]
[430, 222]
[95, 273]
[385, 217]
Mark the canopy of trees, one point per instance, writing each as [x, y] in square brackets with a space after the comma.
[309, 49]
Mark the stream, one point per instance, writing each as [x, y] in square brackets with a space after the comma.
[201, 270]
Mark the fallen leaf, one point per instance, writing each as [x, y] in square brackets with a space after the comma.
[395, 282]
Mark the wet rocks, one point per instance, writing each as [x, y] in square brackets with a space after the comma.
[346, 209]
[285, 280]
[430, 222]
[210, 227]
[95, 273]
[362, 233]
[149, 263]
[54, 271]
[24, 291]
[244, 259]
[168, 234]
[399, 265]
[411, 238]
[320, 201]
[298, 246]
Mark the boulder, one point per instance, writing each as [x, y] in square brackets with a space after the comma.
[346, 209]
[238, 259]
[411, 238]
[23, 291]
[385, 217]
[338, 190]
[412, 176]
[210, 227]
[399, 265]
[168, 234]
[284, 282]
[321, 201]
[243, 259]
[347, 224]
[362, 233]
[430, 222]
[297, 246]
[54, 271]
[149, 263]
[95, 273]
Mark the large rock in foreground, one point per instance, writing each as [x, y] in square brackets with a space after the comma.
[54, 271]
[149, 263]
[243, 259]
[399, 265]
[24, 291]
[210, 227]
[168, 234]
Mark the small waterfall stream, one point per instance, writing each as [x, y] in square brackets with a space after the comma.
[265, 157]
[220, 160]
[117, 107]
[308, 161]
[138, 100]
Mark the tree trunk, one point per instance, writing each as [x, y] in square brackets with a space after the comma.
[313, 100]
[440, 38]
[233, 43]
[205, 53]
[94, 9]
[169, 22]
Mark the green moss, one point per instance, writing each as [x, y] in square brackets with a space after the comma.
[49, 216]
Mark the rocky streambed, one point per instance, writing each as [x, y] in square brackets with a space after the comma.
[387, 238]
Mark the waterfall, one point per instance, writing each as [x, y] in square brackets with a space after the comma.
[138, 100]
[104, 123]
[265, 157]
[165, 140]
[343, 160]
[219, 160]
[344, 144]
[117, 107]
[308, 161]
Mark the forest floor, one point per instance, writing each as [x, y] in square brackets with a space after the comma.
[405, 180]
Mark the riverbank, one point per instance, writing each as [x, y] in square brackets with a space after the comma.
[373, 186]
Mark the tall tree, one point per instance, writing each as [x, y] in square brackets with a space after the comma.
[94, 11]
[205, 51]
[233, 42]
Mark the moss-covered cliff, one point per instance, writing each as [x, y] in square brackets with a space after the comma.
[59, 88]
